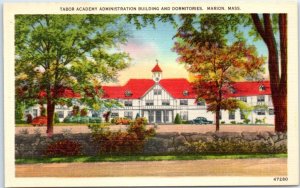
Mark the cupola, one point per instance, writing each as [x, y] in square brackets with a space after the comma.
[156, 72]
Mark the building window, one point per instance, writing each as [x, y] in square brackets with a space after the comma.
[114, 114]
[34, 112]
[165, 102]
[261, 112]
[157, 91]
[151, 116]
[244, 99]
[262, 88]
[166, 116]
[185, 92]
[149, 103]
[184, 115]
[183, 102]
[261, 98]
[201, 103]
[271, 111]
[232, 90]
[128, 114]
[127, 103]
[231, 115]
[220, 115]
[60, 114]
[128, 93]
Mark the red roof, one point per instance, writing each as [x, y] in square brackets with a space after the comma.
[135, 88]
[156, 68]
[179, 88]
[250, 88]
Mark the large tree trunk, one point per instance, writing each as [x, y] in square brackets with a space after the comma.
[280, 109]
[218, 118]
[278, 77]
[281, 106]
[50, 115]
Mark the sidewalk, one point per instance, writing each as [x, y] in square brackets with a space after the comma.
[215, 167]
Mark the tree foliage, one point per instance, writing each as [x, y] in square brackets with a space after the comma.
[217, 68]
[54, 52]
[225, 29]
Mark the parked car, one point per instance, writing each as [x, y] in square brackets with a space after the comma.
[201, 120]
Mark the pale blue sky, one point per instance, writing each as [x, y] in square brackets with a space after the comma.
[148, 44]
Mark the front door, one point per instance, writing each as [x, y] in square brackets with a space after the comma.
[158, 116]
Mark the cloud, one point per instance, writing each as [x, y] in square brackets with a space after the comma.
[139, 50]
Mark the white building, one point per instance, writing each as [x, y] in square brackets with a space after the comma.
[159, 100]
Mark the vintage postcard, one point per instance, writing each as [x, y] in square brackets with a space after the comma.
[151, 94]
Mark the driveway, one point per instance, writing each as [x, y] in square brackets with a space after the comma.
[216, 167]
[160, 128]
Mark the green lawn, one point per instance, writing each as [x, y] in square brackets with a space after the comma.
[141, 158]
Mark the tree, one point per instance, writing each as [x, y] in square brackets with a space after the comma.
[55, 53]
[266, 27]
[245, 110]
[217, 68]
[177, 119]
[218, 28]
[213, 27]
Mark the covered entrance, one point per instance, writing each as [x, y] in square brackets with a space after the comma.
[158, 116]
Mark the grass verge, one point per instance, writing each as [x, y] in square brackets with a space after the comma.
[119, 158]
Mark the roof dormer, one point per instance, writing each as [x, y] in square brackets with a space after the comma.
[262, 88]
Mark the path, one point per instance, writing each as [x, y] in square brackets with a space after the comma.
[217, 167]
[161, 128]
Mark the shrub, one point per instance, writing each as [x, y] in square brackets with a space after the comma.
[83, 112]
[56, 119]
[129, 142]
[177, 119]
[258, 121]
[83, 119]
[75, 110]
[112, 121]
[43, 111]
[229, 146]
[246, 121]
[95, 120]
[233, 122]
[39, 121]
[63, 148]
[222, 122]
[106, 116]
[19, 121]
[122, 121]
[78, 119]
[67, 119]
[185, 122]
